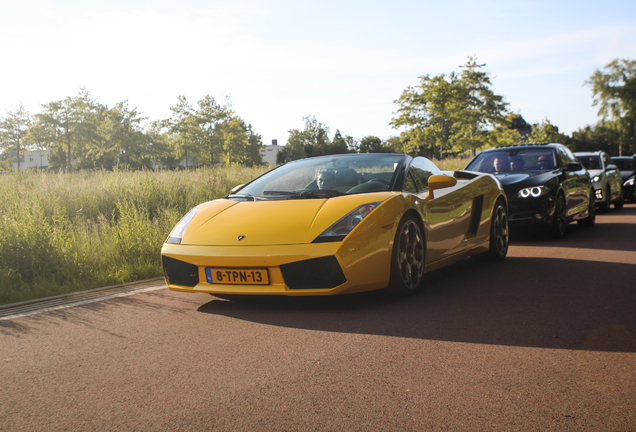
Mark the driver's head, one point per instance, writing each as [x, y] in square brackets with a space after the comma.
[543, 161]
[326, 179]
[501, 164]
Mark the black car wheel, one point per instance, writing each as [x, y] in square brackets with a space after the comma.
[608, 200]
[621, 200]
[559, 223]
[499, 235]
[407, 263]
[590, 220]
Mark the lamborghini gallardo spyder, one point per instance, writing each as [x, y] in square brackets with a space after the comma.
[337, 224]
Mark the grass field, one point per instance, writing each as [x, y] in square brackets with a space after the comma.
[61, 233]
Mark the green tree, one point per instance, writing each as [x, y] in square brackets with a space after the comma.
[428, 112]
[240, 144]
[545, 132]
[13, 129]
[68, 129]
[183, 131]
[614, 92]
[449, 113]
[505, 134]
[123, 138]
[604, 136]
[162, 153]
[481, 111]
[373, 144]
[313, 140]
[208, 118]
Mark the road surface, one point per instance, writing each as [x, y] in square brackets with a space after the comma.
[545, 340]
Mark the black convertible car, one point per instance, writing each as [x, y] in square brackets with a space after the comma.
[546, 185]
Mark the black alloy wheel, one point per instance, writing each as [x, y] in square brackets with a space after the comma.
[590, 220]
[408, 257]
[499, 235]
[608, 200]
[558, 222]
[621, 200]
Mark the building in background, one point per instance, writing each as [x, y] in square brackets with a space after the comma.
[269, 152]
[30, 159]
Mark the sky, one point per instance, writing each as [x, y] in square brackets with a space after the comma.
[278, 61]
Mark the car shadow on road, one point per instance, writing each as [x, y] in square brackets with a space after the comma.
[526, 302]
[606, 234]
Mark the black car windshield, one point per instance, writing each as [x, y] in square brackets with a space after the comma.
[513, 160]
[324, 177]
[590, 162]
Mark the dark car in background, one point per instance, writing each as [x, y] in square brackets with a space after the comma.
[547, 187]
[608, 186]
[627, 167]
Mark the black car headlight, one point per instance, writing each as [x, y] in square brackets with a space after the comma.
[629, 182]
[340, 229]
[177, 232]
[533, 192]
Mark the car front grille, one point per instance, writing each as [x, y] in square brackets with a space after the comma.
[179, 272]
[316, 273]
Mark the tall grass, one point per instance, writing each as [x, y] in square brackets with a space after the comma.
[61, 233]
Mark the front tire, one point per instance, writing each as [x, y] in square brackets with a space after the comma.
[608, 200]
[559, 223]
[408, 257]
[621, 200]
[590, 220]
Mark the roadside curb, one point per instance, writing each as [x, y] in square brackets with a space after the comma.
[30, 307]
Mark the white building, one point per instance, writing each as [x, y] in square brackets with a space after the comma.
[31, 159]
[269, 152]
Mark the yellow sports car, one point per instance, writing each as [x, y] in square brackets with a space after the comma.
[337, 224]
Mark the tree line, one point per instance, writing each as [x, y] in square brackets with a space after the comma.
[81, 133]
[444, 115]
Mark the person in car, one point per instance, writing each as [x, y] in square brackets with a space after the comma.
[501, 164]
[516, 164]
[326, 179]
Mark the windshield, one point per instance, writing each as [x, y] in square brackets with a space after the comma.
[325, 177]
[513, 160]
[590, 162]
[624, 164]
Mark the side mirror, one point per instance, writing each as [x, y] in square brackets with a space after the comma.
[439, 181]
[573, 166]
[235, 188]
[611, 167]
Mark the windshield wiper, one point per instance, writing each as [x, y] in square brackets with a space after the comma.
[318, 193]
[246, 197]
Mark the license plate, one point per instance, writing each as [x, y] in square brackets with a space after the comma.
[237, 276]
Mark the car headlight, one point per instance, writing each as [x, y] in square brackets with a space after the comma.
[177, 232]
[629, 182]
[340, 229]
[534, 192]
[596, 179]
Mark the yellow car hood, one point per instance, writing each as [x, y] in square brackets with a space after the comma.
[272, 222]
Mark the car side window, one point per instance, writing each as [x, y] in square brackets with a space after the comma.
[606, 160]
[422, 169]
[564, 157]
[409, 184]
[570, 155]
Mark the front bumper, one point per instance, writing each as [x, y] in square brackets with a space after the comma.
[524, 212]
[294, 270]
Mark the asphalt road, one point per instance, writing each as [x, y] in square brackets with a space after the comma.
[542, 341]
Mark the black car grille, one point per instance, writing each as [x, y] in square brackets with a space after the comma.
[179, 272]
[313, 273]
